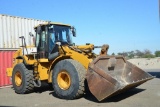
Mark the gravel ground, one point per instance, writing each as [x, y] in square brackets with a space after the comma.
[146, 63]
[145, 95]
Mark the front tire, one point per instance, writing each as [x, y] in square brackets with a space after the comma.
[22, 79]
[68, 79]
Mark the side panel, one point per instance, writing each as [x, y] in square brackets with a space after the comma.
[43, 70]
[5, 62]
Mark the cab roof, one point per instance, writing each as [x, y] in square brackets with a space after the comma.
[53, 23]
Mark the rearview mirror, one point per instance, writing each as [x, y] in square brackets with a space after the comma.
[73, 31]
[31, 34]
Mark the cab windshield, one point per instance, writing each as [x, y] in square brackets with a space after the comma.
[60, 34]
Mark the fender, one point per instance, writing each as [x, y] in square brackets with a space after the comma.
[26, 60]
[21, 57]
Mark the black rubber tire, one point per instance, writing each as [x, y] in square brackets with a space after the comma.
[27, 79]
[77, 73]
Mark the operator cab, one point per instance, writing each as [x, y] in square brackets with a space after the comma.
[50, 36]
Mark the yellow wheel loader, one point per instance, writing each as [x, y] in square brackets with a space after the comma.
[56, 59]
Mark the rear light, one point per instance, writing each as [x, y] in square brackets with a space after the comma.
[13, 60]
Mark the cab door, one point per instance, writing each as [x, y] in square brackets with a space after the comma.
[42, 41]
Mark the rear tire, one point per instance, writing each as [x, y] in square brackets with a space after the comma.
[22, 79]
[68, 79]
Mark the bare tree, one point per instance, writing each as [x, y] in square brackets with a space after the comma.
[146, 51]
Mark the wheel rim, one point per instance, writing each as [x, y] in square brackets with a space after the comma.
[18, 79]
[64, 80]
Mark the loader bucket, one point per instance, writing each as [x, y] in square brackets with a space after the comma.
[111, 75]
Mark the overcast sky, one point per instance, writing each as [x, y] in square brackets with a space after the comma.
[123, 24]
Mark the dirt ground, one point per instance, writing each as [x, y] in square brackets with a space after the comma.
[145, 95]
